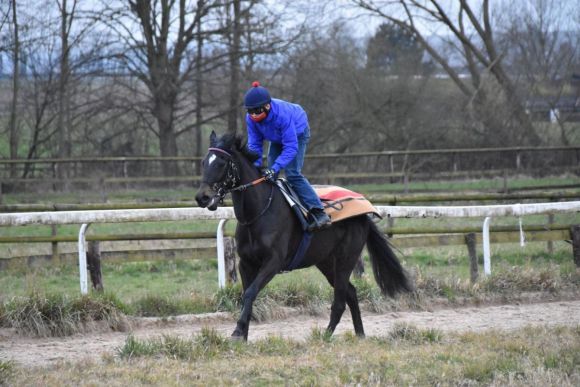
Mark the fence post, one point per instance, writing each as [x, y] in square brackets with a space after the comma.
[221, 254]
[392, 169]
[550, 223]
[54, 176]
[230, 259]
[486, 247]
[55, 254]
[94, 265]
[125, 173]
[102, 189]
[83, 259]
[575, 231]
[505, 181]
[470, 240]
[390, 225]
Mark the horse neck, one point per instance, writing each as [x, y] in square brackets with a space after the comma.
[253, 199]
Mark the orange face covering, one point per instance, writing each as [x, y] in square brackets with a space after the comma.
[259, 117]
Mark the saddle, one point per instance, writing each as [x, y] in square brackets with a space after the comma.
[339, 203]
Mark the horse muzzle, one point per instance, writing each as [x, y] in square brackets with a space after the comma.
[205, 198]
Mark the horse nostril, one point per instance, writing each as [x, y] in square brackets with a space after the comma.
[201, 199]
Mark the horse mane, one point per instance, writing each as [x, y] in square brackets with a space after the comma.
[234, 141]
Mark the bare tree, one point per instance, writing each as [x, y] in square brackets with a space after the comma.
[53, 53]
[197, 133]
[157, 54]
[544, 48]
[13, 122]
[234, 57]
[254, 36]
[64, 122]
[474, 37]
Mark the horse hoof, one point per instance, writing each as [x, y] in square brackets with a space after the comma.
[238, 337]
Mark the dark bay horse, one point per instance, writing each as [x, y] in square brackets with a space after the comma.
[268, 235]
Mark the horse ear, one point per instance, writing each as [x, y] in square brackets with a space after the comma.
[212, 138]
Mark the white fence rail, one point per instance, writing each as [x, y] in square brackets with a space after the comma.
[175, 214]
[225, 213]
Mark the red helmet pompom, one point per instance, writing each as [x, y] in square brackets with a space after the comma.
[255, 84]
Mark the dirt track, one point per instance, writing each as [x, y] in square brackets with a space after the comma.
[41, 351]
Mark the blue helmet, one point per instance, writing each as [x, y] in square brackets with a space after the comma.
[257, 96]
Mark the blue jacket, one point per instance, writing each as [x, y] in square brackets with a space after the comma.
[284, 124]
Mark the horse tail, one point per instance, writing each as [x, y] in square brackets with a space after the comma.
[389, 274]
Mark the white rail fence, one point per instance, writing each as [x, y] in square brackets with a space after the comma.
[226, 213]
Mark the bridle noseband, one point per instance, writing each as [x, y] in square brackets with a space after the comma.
[230, 183]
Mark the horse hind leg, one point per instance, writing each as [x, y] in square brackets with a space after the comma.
[352, 301]
[344, 293]
[338, 306]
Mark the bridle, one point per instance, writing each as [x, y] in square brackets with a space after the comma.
[231, 183]
[223, 187]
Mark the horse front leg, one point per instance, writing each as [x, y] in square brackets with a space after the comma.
[265, 275]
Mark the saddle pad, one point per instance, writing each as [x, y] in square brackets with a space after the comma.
[341, 203]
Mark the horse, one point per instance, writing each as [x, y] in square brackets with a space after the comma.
[268, 235]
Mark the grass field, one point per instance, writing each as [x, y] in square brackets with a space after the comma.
[407, 357]
[187, 193]
[190, 286]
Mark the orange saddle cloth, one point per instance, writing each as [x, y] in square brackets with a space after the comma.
[341, 203]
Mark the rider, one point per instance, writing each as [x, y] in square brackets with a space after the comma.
[285, 126]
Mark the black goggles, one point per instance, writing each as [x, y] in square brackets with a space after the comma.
[257, 110]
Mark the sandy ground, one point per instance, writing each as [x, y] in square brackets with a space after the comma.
[29, 352]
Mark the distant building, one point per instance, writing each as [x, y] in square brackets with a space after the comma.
[563, 108]
[554, 109]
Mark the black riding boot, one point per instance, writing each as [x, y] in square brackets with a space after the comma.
[318, 219]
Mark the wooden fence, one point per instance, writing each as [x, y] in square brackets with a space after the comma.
[387, 166]
[468, 236]
[429, 236]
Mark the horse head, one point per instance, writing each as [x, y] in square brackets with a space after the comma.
[221, 169]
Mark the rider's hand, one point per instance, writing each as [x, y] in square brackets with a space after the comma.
[269, 174]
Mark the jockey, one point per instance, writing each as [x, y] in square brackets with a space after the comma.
[285, 126]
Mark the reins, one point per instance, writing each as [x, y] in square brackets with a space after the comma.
[232, 179]
[243, 187]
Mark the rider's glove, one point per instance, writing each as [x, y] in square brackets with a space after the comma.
[269, 174]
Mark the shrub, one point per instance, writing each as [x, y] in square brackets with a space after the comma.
[163, 306]
[207, 344]
[6, 372]
[58, 315]
[415, 335]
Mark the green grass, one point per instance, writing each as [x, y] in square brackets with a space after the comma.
[169, 288]
[408, 356]
[206, 345]
[134, 282]
[188, 193]
[466, 185]
[164, 288]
